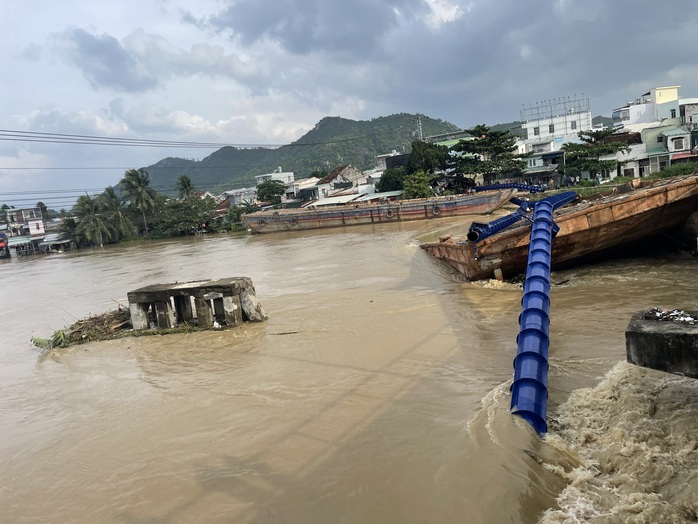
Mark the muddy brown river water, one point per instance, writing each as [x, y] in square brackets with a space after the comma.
[377, 391]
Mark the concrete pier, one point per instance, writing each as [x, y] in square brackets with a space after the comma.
[225, 302]
[664, 340]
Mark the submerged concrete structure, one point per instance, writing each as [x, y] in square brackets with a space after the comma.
[664, 340]
[216, 303]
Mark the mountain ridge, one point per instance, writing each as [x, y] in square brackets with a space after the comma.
[333, 141]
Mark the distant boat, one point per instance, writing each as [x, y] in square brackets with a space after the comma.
[356, 213]
[639, 209]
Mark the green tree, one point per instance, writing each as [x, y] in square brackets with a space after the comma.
[418, 185]
[68, 230]
[271, 191]
[44, 211]
[248, 207]
[115, 210]
[182, 217]
[427, 157]
[488, 152]
[3, 212]
[136, 184]
[586, 156]
[392, 179]
[185, 187]
[91, 224]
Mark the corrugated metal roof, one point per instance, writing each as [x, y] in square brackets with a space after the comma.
[675, 132]
[18, 241]
[333, 201]
[378, 196]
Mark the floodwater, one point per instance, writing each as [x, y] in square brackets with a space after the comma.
[377, 391]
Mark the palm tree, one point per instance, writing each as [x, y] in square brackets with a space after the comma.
[44, 211]
[136, 184]
[185, 187]
[114, 208]
[91, 224]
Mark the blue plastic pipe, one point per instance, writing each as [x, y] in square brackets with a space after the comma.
[522, 187]
[479, 231]
[529, 391]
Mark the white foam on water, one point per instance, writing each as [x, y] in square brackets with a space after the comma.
[636, 435]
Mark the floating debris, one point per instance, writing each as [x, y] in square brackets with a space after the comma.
[672, 315]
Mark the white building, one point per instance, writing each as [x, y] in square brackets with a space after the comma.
[657, 105]
[284, 176]
[552, 121]
[548, 125]
[238, 196]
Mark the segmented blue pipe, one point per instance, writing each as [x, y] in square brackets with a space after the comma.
[529, 391]
[522, 187]
[479, 231]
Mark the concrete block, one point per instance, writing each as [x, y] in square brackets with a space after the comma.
[204, 313]
[232, 310]
[165, 315]
[251, 307]
[139, 315]
[663, 345]
[183, 308]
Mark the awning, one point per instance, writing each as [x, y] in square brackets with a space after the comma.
[19, 241]
[685, 154]
[553, 154]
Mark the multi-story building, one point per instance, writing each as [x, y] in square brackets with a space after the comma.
[26, 222]
[667, 125]
[26, 230]
[547, 126]
[554, 120]
[658, 104]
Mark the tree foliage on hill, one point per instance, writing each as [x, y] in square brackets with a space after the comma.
[586, 157]
[332, 142]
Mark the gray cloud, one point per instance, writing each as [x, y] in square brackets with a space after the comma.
[304, 26]
[105, 63]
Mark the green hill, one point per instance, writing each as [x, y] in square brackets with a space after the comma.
[334, 141]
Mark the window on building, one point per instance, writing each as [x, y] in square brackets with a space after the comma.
[677, 144]
[531, 162]
[36, 226]
[536, 131]
[660, 138]
[551, 128]
[673, 113]
[573, 125]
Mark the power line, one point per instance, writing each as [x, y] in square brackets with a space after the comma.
[61, 138]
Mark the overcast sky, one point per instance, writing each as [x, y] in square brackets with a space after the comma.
[266, 71]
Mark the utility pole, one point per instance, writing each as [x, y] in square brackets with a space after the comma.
[419, 124]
